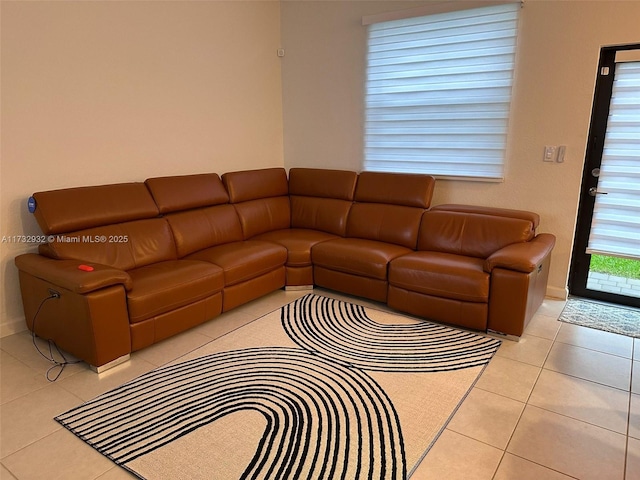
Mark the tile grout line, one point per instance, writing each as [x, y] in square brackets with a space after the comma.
[626, 445]
[526, 403]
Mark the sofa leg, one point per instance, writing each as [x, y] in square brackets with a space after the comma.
[111, 364]
[503, 336]
[295, 288]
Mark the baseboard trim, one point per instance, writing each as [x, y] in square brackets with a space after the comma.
[557, 292]
[12, 326]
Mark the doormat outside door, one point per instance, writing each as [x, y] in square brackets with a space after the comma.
[602, 316]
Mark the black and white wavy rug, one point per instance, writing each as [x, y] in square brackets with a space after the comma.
[320, 389]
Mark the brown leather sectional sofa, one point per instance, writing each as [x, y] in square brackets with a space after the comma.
[173, 252]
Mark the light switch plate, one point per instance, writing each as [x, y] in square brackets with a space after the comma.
[549, 153]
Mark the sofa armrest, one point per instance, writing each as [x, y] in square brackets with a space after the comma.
[66, 274]
[522, 257]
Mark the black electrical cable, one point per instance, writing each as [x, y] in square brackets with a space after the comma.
[51, 344]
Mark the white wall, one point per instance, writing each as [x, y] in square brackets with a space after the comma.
[559, 42]
[103, 92]
[106, 92]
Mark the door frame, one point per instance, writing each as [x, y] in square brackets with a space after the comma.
[580, 260]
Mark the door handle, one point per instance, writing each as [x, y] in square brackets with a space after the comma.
[593, 191]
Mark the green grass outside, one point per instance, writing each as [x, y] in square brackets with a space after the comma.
[620, 267]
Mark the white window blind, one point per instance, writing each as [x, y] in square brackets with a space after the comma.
[615, 227]
[438, 92]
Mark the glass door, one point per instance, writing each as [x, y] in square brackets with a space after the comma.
[606, 257]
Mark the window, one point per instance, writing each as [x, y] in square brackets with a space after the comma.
[438, 93]
[615, 228]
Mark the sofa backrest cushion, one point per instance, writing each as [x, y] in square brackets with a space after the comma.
[264, 215]
[389, 207]
[124, 246]
[256, 184]
[318, 182]
[184, 192]
[471, 234]
[384, 223]
[261, 199]
[201, 228]
[74, 209]
[407, 189]
[321, 199]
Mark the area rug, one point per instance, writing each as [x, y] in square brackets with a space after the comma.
[602, 316]
[319, 389]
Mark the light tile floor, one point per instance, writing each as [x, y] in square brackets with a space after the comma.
[563, 402]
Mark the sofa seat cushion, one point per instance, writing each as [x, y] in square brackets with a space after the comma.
[298, 242]
[356, 256]
[165, 286]
[245, 260]
[442, 275]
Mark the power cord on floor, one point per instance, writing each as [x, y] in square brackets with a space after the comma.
[52, 345]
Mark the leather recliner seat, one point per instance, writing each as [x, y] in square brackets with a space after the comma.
[320, 201]
[206, 228]
[451, 275]
[383, 224]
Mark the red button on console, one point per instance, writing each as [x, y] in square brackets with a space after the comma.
[86, 268]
